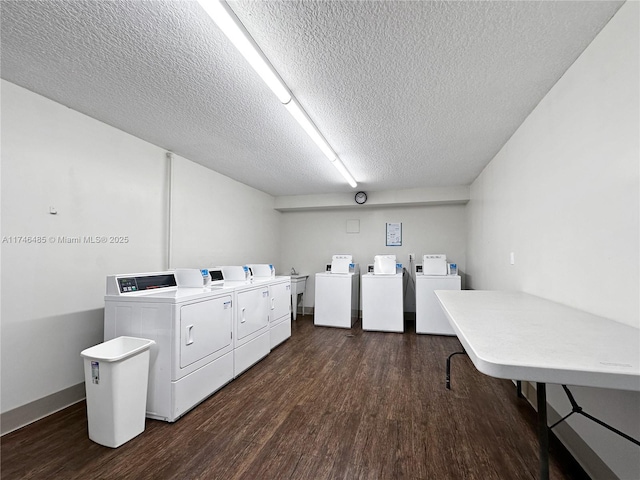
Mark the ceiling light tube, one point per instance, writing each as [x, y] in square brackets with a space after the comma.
[226, 19]
[345, 173]
[303, 119]
[231, 26]
[305, 122]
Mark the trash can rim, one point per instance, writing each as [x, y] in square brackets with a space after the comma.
[94, 353]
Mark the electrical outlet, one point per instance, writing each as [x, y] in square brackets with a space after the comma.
[512, 258]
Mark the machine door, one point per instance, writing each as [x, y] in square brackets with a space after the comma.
[205, 328]
[252, 311]
[280, 300]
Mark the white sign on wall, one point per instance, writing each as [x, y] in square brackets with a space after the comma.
[394, 234]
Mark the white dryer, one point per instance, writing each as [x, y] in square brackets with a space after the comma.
[383, 295]
[280, 301]
[280, 317]
[251, 327]
[337, 302]
[252, 305]
[192, 329]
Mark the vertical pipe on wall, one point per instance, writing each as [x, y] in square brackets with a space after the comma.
[169, 157]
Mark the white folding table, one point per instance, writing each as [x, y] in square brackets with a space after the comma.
[518, 336]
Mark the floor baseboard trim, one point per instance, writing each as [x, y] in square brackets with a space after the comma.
[31, 412]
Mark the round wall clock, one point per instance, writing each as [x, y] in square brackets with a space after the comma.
[361, 197]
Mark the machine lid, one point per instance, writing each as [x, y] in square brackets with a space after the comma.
[341, 263]
[384, 264]
[192, 277]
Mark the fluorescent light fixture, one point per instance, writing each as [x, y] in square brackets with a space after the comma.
[345, 173]
[303, 119]
[231, 26]
[305, 122]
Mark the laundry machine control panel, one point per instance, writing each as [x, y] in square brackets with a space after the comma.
[132, 284]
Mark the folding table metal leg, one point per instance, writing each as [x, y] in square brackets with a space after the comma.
[543, 431]
[519, 388]
[448, 380]
[575, 408]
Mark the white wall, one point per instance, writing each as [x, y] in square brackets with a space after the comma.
[310, 238]
[102, 182]
[563, 195]
[218, 221]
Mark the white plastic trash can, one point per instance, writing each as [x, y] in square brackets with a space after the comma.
[116, 376]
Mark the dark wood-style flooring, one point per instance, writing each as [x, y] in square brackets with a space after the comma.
[326, 404]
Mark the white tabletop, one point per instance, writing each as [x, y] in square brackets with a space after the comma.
[519, 336]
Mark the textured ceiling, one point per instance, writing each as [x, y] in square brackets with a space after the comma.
[409, 94]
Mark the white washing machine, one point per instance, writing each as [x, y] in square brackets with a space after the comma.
[430, 317]
[383, 295]
[192, 327]
[337, 294]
